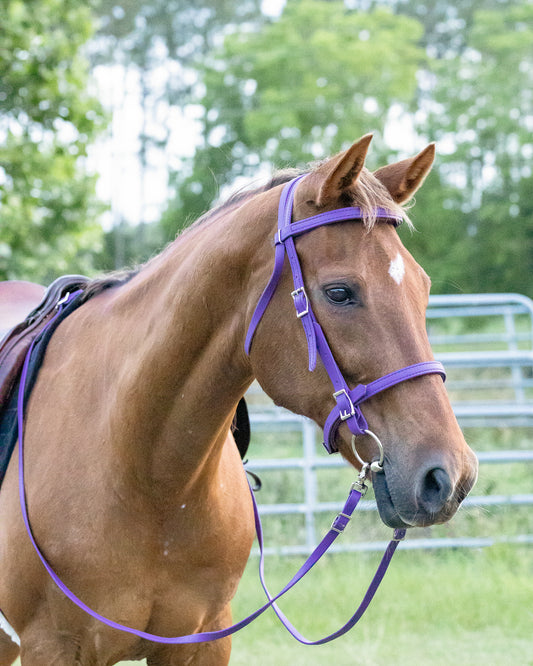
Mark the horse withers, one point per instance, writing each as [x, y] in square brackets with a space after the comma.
[135, 489]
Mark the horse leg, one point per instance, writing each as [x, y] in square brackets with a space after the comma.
[46, 655]
[213, 653]
[8, 650]
[43, 644]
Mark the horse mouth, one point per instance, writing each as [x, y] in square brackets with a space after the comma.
[386, 509]
[398, 510]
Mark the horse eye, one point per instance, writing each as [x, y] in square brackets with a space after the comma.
[339, 295]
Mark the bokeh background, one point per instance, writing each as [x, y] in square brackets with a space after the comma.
[121, 122]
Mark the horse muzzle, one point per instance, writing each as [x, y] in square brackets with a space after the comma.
[431, 497]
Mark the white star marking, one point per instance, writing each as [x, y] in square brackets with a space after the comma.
[397, 269]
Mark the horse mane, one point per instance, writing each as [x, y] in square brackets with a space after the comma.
[244, 194]
[108, 281]
[369, 194]
[122, 276]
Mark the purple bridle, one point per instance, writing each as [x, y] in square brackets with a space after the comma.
[348, 400]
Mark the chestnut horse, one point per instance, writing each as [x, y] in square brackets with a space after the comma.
[135, 488]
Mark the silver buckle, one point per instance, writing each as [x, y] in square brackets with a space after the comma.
[339, 515]
[345, 415]
[294, 294]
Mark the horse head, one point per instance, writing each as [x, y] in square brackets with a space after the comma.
[369, 297]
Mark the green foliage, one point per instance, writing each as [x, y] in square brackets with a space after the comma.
[47, 207]
[144, 32]
[306, 84]
[310, 80]
[163, 44]
[127, 246]
[298, 89]
[480, 107]
[274, 92]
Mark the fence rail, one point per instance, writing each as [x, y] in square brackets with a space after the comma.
[485, 342]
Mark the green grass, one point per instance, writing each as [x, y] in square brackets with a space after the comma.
[463, 607]
[454, 607]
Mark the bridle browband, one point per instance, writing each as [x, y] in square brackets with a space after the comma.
[347, 400]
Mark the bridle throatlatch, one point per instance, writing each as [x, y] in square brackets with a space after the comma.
[348, 401]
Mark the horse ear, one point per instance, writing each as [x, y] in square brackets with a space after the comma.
[342, 171]
[402, 179]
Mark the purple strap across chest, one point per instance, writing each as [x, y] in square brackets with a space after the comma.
[348, 400]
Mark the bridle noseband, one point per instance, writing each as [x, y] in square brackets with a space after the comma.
[348, 401]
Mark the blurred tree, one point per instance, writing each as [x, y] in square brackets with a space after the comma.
[300, 88]
[447, 25]
[479, 106]
[163, 43]
[296, 87]
[47, 118]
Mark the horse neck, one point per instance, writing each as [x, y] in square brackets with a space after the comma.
[183, 323]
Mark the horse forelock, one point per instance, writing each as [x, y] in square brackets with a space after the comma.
[369, 194]
[245, 193]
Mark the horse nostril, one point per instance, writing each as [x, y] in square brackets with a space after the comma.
[435, 490]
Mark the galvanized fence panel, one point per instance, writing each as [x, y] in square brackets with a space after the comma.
[485, 342]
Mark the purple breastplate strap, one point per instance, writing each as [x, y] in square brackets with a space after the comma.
[348, 400]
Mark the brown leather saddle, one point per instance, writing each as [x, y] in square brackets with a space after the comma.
[35, 305]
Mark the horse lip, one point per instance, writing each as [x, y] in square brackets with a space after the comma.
[387, 512]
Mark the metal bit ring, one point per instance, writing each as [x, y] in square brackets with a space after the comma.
[376, 465]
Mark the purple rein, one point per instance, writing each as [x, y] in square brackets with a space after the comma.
[348, 400]
[347, 409]
[339, 524]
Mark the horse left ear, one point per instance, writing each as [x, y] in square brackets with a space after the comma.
[341, 172]
[402, 179]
